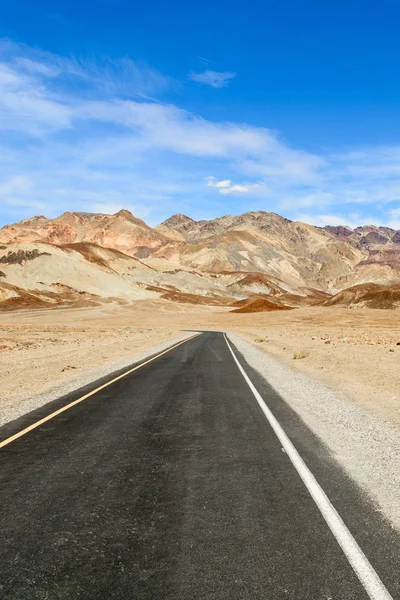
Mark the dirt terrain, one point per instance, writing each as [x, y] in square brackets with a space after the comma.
[354, 351]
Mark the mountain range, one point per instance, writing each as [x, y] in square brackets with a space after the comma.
[259, 260]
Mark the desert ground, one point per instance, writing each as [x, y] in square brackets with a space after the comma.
[353, 351]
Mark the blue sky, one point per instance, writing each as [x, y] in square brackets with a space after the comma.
[206, 108]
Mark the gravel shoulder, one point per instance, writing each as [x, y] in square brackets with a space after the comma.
[367, 447]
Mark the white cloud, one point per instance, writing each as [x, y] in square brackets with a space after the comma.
[26, 105]
[32, 103]
[212, 182]
[171, 128]
[241, 189]
[225, 186]
[215, 79]
[282, 162]
[18, 192]
[33, 66]
[79, 134]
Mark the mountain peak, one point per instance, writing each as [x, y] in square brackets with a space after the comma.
[35, 219]
[124, 213]
[127, 216]
[177, 219]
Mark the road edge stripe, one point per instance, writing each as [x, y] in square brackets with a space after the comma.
[365, 572]
[26, 430]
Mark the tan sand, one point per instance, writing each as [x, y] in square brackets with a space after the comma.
[353, 351]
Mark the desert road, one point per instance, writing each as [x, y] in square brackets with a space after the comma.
[188, 478]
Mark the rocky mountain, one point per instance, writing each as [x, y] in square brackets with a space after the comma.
[196, 231]
[327, 258]
[367, 295]
[121, 231]
[366, 236]
[297, 253]
[230, 259]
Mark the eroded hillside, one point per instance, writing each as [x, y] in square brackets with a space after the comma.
[81, 258]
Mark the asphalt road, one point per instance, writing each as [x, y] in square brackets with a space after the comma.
[171, 484]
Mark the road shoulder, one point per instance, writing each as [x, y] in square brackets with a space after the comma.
[366, 447]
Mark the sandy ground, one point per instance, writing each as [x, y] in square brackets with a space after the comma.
[352, 351]
[45, 361]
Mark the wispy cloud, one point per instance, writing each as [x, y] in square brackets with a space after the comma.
[84, 134]
[18, 193]
[90, 77]
[26, 105]
[15, 185]
[206, 60]
[215, 79]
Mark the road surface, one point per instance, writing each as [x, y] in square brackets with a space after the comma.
[170, 483]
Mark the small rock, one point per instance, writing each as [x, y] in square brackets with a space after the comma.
[328, 342]
[344, 340]
[391, 350]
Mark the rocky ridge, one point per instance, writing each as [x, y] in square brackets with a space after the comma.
[257, 254]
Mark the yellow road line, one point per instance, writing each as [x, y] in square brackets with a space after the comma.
[71, 404]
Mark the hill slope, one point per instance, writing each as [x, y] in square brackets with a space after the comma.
[232, 256]
[121, 231]
[368, 295]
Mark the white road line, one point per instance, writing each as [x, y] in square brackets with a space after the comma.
[365, 572]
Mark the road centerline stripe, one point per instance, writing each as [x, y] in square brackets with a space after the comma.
[365, 572]
[26, 430]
